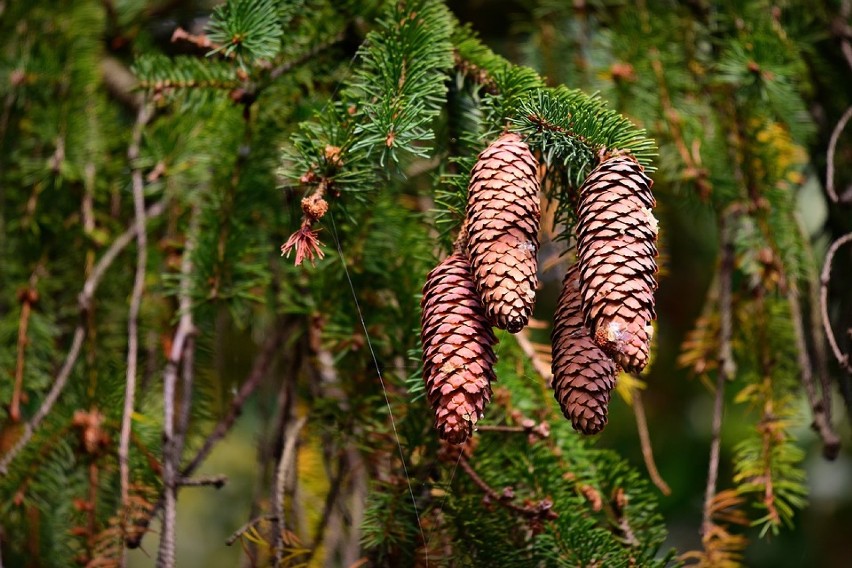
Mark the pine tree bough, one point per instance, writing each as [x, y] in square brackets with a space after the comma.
[616, 244]
[503, 215]
[583, 375]
[458, 354]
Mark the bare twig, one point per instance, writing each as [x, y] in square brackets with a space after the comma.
[217, 481]
[284, 464]
[645, 442]
[259, 369]
[28, 297]
[822, 424]
[726, 366]
[832, 148]
[248, 526]
[824, 280]
[542, 510]
[138, 185]
[172, 446]
[85, 301]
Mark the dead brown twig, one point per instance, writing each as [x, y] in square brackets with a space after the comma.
[541, 510]
[829, 166]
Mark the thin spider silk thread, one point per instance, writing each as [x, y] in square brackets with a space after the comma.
[382, 381]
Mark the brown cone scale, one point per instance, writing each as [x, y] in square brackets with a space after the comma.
[503, 216]
[458, 354]
[583, 375]
[616, 245]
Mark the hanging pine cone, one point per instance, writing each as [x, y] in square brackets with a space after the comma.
[583, 375]
[503, 220]
[458, 354]
[616, 244]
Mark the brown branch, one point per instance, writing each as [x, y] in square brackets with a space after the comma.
[27, 297]
[540, 364]
[645, 442]
[542, 510]
[726, 368]
[138, 185]
[821, 423]
[182, 344]
[90, 286]
[843, 31]
[261, 365]
[825, 278]
[829, 167]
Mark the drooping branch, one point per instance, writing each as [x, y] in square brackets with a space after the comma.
[84, 300]
[138, 185]
[645, 442]
[829, 167]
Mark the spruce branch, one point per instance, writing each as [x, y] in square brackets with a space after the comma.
[85, 298]
[825, 279]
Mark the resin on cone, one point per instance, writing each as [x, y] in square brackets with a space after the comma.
[458, 353]
[503, 216]
[616, 245]
[583, 375]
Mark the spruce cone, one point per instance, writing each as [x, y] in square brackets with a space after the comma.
[583, 375]
[503, 220]
[616, 244]
[458, 354]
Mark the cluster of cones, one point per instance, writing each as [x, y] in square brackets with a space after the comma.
[604, 313]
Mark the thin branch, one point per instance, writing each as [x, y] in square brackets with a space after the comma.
[138, 185]
[824, 280]
[726, 366]
[287, 457]
[172, 446]
[217, 481]
[85, 301]
[822, 424]
[28, 297]
[248, 526]
[259, 369]
[843, 30]
[542, 510]
[832, 148]
[645, 442]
